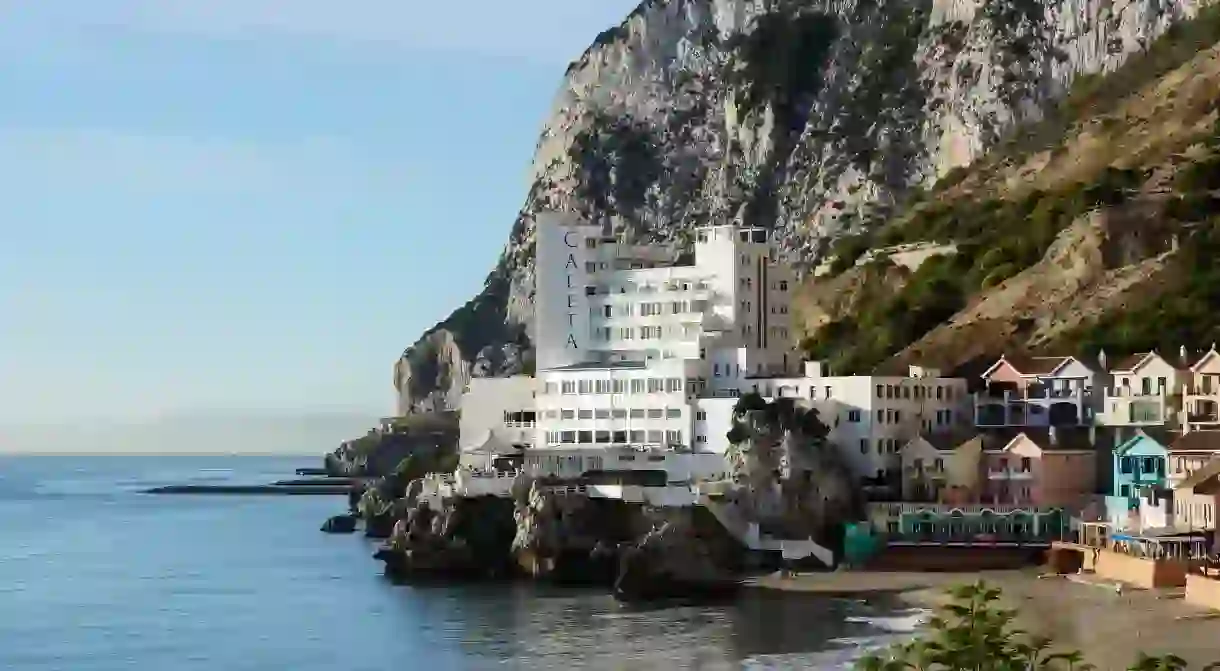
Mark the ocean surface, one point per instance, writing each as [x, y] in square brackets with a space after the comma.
[95, 576]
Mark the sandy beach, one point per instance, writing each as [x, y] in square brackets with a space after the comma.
[1110, 629]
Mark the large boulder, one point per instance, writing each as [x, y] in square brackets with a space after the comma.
[688, 555]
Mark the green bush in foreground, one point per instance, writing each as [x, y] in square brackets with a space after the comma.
[974, 634]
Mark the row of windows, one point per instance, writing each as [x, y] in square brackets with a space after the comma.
[920, 392]
[890, 416]
[675, 332]
[639, 385]
[748, 283]
[628, 288]
[884, 445]
[615, 413]
[634, 437]
[1147, 465]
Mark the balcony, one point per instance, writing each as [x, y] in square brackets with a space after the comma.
[1035, 406]
[1202, 408]
[1123, 407]
[1009, 474]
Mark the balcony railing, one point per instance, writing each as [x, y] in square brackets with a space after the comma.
[1009, 474]
[1134, 393]
[1031, 394]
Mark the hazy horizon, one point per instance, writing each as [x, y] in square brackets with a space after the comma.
[196, 433]
[254, 204]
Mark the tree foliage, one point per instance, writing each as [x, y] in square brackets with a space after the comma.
[973, 633]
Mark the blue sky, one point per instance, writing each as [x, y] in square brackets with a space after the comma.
[255, 204]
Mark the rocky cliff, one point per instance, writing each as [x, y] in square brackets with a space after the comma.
[815, 117]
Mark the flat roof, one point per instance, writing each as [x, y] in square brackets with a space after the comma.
[616, 365]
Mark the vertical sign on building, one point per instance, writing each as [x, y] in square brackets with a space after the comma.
[561, 300]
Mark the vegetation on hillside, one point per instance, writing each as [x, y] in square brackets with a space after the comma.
[972, 633]
[1000, 231]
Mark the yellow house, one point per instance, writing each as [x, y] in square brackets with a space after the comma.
[941, 468]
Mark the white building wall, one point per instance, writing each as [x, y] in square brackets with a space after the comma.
[564, 252]
[485, 404]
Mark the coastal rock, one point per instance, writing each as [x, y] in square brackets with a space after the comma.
[464, 538]
[688, 554]
[815, 118]
[428, 438]
[340, 524]
[570, 538]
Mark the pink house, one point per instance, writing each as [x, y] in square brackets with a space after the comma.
[1037, 391]
[1039, 467]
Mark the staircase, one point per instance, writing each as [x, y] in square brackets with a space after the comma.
[747, 533]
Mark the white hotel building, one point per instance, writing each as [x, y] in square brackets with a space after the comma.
[640, 360]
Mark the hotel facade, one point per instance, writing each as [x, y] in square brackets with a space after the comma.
[643, 351]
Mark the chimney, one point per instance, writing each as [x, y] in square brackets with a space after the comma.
[1182, 354]
[1101, 360]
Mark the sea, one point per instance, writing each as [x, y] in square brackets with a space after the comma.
[97, 576]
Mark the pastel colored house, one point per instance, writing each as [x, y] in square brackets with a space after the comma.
[1138, 472]
[1038, 392]
[1040, 467]
[1196, 499]
[1143, 390]
[941, 468]
[1201, 392]
[1190, 452]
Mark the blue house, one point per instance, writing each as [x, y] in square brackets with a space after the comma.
[1138, 467]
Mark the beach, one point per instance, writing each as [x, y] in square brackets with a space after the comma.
[1108, 628]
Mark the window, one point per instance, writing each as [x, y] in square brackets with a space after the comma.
[673, 385]
[864, 446]
[584, 437]
[637, 386]
[618, 413]
[655, 437]
[1025, 464]
[585, 414]
[1124, 491]
[586, 386]
[569, 387]
[590, 243]
[567, 436]
[551, 389]
[1125, 465]
[568, 414]
[918, 464]
[940, 465]
[637, 436]
[673, 413]
[700, 439]
[940, 393]
[655, 413]
[673, 437]
[853, 415]
[637, 413]
[602, 437]
[783, 285]
[701, 415]
[551, 414]
[590, 266]
[601, 386]
[617, 386]
[601, 413]
[607, 311]
[1149, 466]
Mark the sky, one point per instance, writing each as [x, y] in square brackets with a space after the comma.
[253, 206]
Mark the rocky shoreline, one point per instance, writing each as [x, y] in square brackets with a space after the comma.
[544, 534]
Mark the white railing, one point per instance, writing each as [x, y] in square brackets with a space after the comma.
[1009, 473]
[895, 510]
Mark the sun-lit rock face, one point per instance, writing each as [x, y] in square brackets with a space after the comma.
[809, 116]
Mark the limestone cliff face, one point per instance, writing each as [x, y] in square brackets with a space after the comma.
[814, 117]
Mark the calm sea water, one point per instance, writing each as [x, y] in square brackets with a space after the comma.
[95, 576]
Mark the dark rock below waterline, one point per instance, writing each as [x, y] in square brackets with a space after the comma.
[340, 524]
